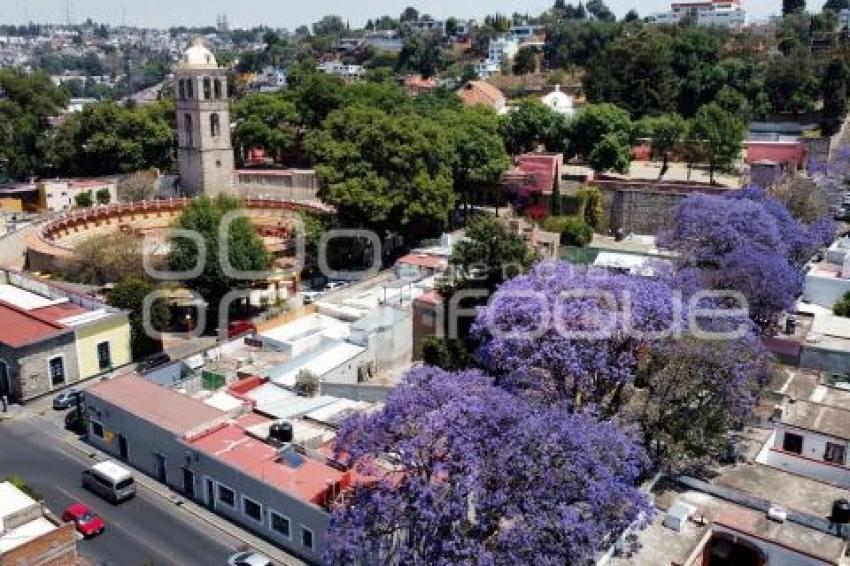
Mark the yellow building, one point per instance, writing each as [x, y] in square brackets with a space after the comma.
[103, 344]
[11, 204]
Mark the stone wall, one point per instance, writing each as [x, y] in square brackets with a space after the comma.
[28, 366]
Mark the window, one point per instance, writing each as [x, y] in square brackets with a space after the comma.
[97, 429]
[307, 537]
[226, 496]
[187, 129]
[215, 125]
[252, 509]
[207, 88]
[217, 89]
[181, 87]
[104, 360]
[190, 88]
[57, 370]
[834, 453]
[792, 443]
[280, 524]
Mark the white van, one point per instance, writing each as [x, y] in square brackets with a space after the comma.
[110, 480]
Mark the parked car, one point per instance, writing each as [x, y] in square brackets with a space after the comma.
[240, 328]
[334, 285]
[87, 522]
[152, 362]
[311, 297]
[110, 480]
[67, 398]
[76, 421]
[249, 558]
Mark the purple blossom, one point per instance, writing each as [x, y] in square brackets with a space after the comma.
[559, 363]
[483, 477]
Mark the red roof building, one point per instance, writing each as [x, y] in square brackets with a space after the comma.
[782, 152]
[480, 92]
[534, 174]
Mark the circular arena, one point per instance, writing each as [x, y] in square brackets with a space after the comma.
[50, 247]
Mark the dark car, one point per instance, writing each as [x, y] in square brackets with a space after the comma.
[67, 398]
[240, 327]
[152, 362]
[76, 421]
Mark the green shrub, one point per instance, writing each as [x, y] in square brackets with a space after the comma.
[842, 307]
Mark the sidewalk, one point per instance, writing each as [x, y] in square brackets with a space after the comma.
[199, 512]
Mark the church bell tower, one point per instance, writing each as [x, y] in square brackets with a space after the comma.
[205, 152]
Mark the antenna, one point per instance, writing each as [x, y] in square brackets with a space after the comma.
[68, 12]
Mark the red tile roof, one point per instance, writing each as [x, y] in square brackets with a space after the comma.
[479, 92]
[781, 152]
[175, 412]
[424, 260]
[534, 173]
[232, 445]
[21, 327]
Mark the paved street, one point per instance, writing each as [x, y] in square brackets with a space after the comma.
[145, 530]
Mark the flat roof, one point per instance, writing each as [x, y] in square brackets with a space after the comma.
[13, 500]
[233, 445]
[318, 362]
[158, 405]
[818, 417]
[327, 325]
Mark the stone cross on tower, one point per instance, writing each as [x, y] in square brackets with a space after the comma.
[205, 153]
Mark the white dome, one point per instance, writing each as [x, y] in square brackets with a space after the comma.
[198, 57]
[559, 101]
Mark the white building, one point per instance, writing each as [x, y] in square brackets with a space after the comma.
[722, 13]
[60, 194]
[503, 49]
[559, 101]
[340, 69]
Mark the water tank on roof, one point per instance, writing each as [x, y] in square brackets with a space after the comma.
[282, 432]
[841, 512]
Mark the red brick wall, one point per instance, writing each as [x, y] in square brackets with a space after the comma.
[57, 548]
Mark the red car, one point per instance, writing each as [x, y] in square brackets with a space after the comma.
[240, 327]
[88, 522]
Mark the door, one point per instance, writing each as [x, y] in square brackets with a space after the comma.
[161, 473]
[5, 386]
[123, 451]
[209, 493]
[189, 483]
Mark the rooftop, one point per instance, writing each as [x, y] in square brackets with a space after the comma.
[12, 500]
[327, 357]
[301, 477]
[817, 417]
[158, 405]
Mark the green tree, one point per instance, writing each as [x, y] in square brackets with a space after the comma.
[836, 5]
[83, 200]
[612, 153]
[635, 72]
[267, 121]
[665, 132]
[106, 138]
[129, 294]
[793, 7]
[489, 255]
[103, 196]
[719, 137]
[479, 152]
[590, 207]
[842, 307]
[384, 171]
[245, 250]
[528, 126]
[26, 104]
[600, 11]
[525, 61]
[834, 89]
[791, 83]
[594, 123]
[316, 95]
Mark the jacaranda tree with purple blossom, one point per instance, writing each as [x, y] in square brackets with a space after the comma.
[746, 242]
[562, 334]
[469, 473]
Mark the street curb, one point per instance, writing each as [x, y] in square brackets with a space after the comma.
[255, 543]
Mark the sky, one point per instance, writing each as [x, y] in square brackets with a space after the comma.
[292, 13]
